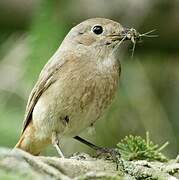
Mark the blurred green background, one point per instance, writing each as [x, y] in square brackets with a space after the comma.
[148, 94]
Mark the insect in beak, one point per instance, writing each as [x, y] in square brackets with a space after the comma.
[134, 36]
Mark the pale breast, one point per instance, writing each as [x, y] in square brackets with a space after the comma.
[76, 100]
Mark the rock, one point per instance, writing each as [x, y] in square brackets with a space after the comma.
[17, 164]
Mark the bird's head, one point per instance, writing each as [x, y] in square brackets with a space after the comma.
[100, 34]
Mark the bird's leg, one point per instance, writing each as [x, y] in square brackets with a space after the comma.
[99, 150]
[55, 143]
[87, 143]
[110, 152]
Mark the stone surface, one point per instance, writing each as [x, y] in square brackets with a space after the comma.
[17, 164]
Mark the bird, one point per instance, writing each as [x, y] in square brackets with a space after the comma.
[75, 87]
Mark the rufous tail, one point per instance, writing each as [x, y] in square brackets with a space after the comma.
[29, 141]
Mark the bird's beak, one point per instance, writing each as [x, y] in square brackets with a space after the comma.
[126, 34]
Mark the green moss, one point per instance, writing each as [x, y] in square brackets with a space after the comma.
[137, 148]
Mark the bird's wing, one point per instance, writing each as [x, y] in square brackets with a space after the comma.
[46, 78]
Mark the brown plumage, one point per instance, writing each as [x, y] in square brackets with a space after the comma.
[75, 86]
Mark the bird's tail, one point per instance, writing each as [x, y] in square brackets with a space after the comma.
[30, 142]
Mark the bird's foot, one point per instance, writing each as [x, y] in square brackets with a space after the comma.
[109, 154]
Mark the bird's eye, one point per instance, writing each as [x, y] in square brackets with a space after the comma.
[97, 29]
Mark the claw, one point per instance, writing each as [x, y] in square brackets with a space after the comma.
[109, 154]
